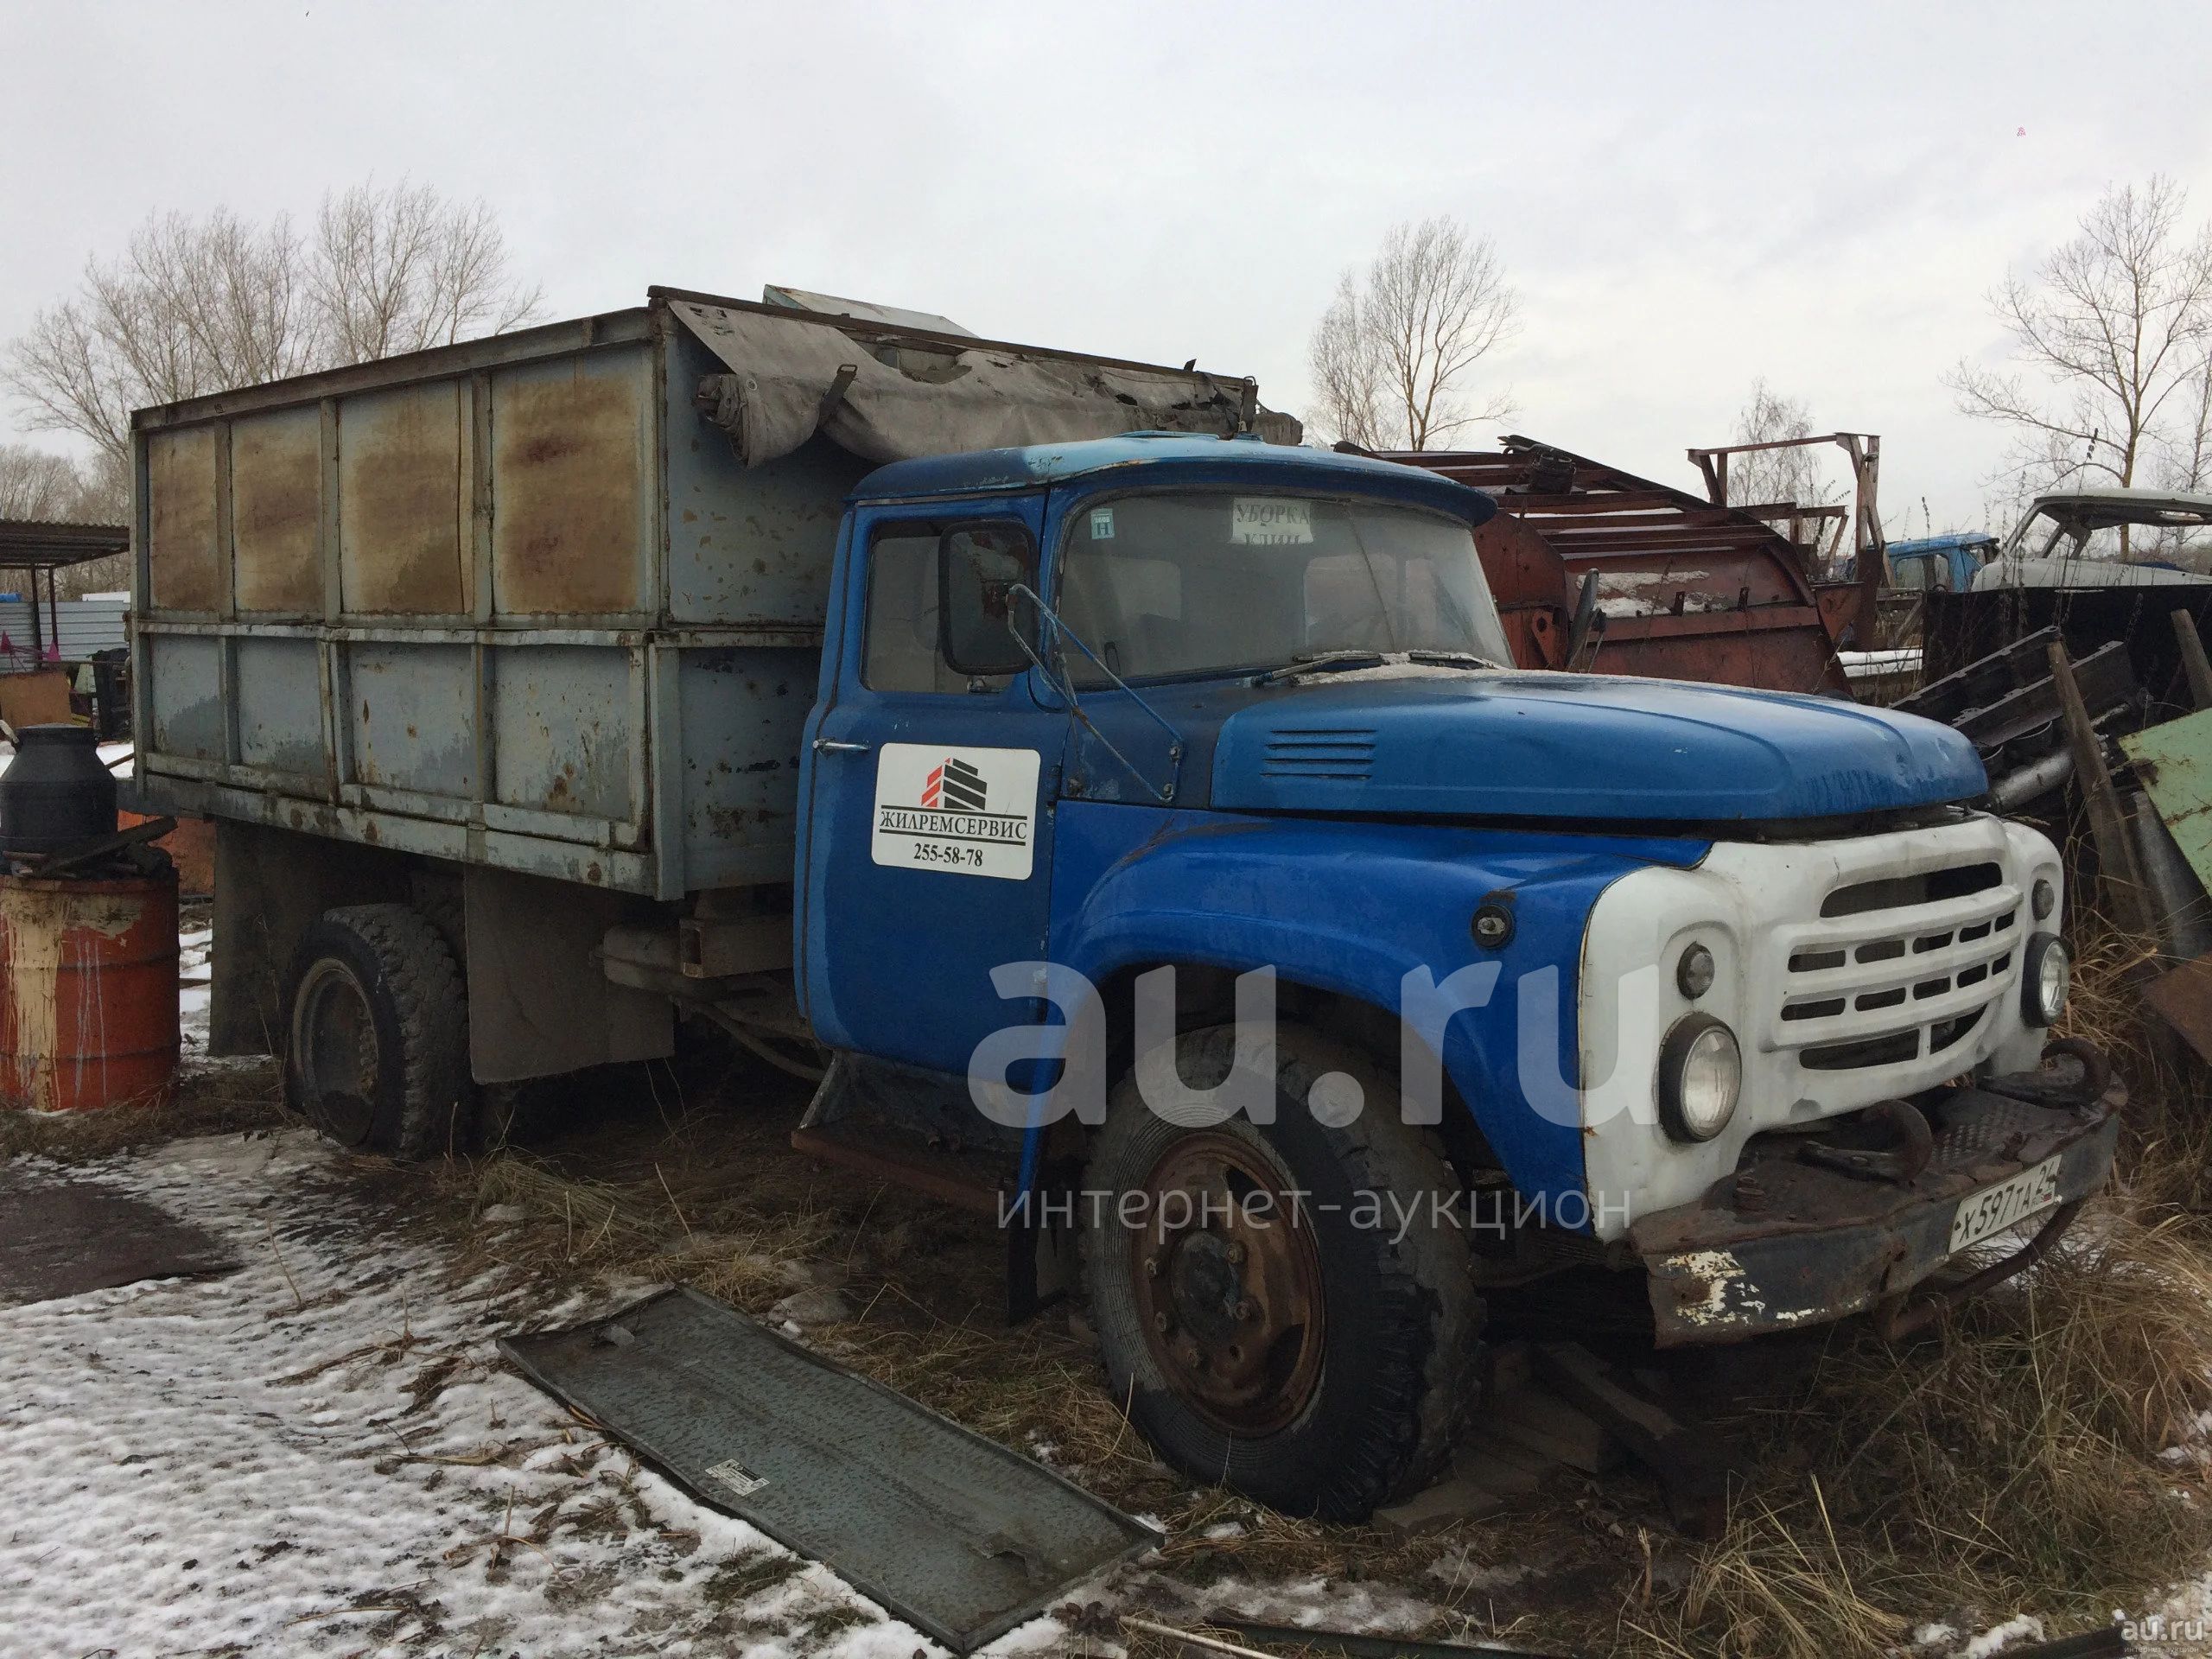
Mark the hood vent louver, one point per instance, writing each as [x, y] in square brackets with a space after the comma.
[1342, 753]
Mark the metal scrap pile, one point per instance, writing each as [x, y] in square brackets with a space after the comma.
[2054, 730]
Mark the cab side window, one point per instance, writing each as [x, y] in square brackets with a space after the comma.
[901, 653]
[903, 648]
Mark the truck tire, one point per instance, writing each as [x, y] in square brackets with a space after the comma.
[1322, 1364]
[376, 1052]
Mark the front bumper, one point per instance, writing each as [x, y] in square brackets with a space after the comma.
[1788, 1238]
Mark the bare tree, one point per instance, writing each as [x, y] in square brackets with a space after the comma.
[34, 484]
[192, 305]
[38, 484]
[2185, 459]
[1392, 354]
[2112, 330]
[400, 268]
[195, 306]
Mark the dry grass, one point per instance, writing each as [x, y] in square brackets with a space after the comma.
[2013, 1463]
[245, 1097]
[2165, 1157]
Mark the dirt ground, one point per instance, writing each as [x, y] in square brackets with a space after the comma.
[352, 1353]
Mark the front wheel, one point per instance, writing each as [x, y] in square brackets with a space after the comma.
[1272, 1320]
[376, 1052]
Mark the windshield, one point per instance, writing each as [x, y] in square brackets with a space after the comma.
[1193, 583]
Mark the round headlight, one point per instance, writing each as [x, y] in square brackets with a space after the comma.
[2042, 899]
[1694, 973]
[1700, 1075]
[2049, 975]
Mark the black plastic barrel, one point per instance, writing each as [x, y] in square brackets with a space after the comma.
[55, 793]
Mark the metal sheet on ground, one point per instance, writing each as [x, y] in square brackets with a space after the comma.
[958, 1536]
[62, 1237]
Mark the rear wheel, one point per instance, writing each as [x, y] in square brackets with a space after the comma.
[377, 1042]
[1266, 1311]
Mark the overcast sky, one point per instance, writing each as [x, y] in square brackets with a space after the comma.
[1688, 196]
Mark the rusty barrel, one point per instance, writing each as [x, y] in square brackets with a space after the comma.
[88, 972]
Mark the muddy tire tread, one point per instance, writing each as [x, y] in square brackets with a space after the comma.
[425, 982]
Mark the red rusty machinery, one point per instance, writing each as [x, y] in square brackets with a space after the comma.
[1688, 590]
[88, 990]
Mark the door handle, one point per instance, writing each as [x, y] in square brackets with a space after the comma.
[838, 745]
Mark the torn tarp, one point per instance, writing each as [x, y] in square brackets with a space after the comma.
[888, 394]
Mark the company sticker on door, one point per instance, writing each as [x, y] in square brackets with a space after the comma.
[966, 812]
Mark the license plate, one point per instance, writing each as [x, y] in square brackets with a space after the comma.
[2006, 1204]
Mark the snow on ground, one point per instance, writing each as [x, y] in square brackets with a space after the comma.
[321, 1453]
[195, 951]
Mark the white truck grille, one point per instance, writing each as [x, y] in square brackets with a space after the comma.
[1899, 968]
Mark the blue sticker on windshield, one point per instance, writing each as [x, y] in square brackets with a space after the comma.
[1101, 524]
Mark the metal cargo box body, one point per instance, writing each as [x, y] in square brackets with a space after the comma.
[512, 602]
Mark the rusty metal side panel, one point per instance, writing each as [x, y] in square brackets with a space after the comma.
[1781, 649]
[742, 711]
[565, 728]
[181, 519]
[410, 719]
[184, 688]
[1529, 584]
[572, 474]
[279, 691]
[402, 514]
[276, 511]
[747, 547]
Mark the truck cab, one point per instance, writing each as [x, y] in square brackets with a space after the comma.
[1204, 756]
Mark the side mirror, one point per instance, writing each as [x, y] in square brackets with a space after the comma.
[981, 627]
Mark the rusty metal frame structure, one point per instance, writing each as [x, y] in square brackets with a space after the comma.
[1869, 546]
[1691, 590]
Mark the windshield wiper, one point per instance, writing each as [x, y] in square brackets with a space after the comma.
[1322, 662]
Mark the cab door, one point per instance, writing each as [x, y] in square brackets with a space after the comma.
[927, 823]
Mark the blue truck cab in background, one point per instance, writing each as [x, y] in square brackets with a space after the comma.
[1146, 840]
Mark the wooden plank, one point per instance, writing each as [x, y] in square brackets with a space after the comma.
[2107, 823]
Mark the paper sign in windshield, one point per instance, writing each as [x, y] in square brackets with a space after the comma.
[1271, 521]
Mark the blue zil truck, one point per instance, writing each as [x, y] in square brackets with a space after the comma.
[1133, 827]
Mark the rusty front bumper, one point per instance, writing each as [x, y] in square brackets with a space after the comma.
[1813, 1226]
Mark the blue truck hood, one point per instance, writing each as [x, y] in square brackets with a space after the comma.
[1580, 747]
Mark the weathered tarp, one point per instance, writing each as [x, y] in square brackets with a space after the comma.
[888, 396]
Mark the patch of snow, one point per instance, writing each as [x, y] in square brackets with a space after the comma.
[1998, 1637]
[1864, 664]
[322, 1453]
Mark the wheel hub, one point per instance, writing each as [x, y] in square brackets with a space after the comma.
[334, 1052]
[1229, 1285]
